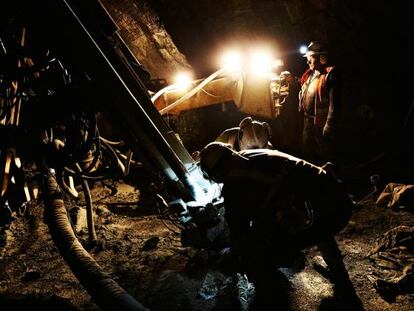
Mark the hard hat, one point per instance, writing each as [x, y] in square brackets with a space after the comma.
[253, 134]
[316, 48]
[214, 159]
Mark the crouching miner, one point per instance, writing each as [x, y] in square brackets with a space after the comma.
[277, 205]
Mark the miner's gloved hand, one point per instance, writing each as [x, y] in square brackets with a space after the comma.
[328, 133]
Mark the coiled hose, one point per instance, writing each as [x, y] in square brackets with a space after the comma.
[105, 292]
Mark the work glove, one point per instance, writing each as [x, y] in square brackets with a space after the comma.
[328, 133]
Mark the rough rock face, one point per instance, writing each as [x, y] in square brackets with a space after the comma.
[152, 45]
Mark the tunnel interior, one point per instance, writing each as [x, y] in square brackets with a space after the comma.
[91, 166]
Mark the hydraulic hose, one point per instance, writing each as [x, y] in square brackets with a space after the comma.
[105, 292]
[89, 206]
[191, 92]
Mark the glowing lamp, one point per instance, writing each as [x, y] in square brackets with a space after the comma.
[183, 80]
[261, 62]
[232, 61]
[303, 49]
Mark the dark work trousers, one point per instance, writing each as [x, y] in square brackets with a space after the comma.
[315, 148]
[340, 277]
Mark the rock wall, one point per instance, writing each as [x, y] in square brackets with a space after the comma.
[147, 38]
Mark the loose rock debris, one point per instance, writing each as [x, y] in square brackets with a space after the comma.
[148, 260]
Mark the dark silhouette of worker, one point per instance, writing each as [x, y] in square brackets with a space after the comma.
[288, 127]
[276, 205]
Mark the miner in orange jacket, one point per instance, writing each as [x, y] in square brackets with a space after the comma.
[319, 102]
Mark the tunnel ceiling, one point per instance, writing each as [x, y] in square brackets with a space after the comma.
[354, 29]
[360, 33]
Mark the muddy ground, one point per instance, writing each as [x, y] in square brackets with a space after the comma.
[146, 258]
